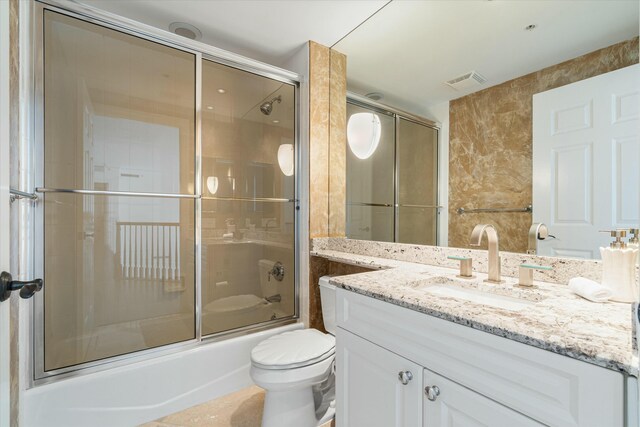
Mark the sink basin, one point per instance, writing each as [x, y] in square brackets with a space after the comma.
[446, 287]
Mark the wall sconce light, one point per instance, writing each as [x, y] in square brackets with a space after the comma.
[212, 184]
[285, 159]
[363, 134]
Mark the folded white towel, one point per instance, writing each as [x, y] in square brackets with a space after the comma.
[588, 289]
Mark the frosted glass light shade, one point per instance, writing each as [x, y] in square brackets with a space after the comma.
[285, 159]
[363, 134]
[212, 184]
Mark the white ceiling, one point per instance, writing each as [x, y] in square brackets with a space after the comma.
[269, 31]
[408, 49]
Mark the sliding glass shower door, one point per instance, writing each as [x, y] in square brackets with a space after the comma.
[119, 117]
[168, 196]
[370, 185]
[392, 195]
[248, 206]
[417, 172]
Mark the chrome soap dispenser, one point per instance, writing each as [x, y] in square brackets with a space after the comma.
[619, 268]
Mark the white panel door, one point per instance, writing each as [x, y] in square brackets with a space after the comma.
[586, 161]
[4, 210]
[458, 406]
[370, 392]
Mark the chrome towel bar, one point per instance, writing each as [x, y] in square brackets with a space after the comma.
[116, 193]
[526, 209]
[17, 194]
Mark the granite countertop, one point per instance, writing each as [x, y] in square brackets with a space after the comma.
[548, 316]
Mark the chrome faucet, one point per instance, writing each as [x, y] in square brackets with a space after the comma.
[494, 256]
[538, 231]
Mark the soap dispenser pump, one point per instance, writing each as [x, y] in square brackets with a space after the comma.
[619, 268]
[634, 242]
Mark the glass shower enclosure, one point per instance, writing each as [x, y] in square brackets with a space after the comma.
[392, 196]
[168, 209]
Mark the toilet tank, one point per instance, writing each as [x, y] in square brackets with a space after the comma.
[328, 301]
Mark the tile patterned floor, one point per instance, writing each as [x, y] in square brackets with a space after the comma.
[240, 409]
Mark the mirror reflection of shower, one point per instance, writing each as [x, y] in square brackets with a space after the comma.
[267, 107]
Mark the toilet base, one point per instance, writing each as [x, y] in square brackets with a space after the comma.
[289, 408]
[294, 397]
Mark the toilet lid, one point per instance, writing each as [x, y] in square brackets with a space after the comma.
[293, 349]
[235, 303]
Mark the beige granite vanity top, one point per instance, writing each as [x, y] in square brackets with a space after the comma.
[555, 320]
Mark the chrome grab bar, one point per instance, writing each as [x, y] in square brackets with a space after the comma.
[526, 209]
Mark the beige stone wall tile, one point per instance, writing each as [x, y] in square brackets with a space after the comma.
[14, 132]
[318, 140]
[319, 267]
[337, 144]
[490, 146]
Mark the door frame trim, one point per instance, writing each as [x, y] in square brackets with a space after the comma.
[6, 371]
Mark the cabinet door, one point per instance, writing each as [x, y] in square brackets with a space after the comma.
[370, 389]
[451, 405]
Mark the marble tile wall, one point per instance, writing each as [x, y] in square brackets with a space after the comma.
[328, 125]
[319, 267]
[327, 159]
[337, 144]
[319, 79]
[490, 148]
[14, 131]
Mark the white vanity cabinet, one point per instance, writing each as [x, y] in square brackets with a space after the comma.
[482, 379]
[378, 387]
[456, 406]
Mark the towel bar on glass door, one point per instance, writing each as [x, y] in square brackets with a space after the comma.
[17, 194]
[117, 193]
[387, 205]
[496, 210]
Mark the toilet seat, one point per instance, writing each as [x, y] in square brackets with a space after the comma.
[293, 349]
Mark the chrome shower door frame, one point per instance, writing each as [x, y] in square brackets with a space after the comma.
[398, 115]
[32, 220]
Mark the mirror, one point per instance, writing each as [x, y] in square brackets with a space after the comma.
[503, 112]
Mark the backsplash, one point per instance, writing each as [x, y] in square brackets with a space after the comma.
[563, 268]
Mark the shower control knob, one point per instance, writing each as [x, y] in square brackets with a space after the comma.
[405, 377]
[277, 272]
[27, 288]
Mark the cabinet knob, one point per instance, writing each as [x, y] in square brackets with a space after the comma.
[432, 392]
[405, 377]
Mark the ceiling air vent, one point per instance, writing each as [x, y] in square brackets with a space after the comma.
[466, 81]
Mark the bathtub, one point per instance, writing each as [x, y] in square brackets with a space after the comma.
[144, 391]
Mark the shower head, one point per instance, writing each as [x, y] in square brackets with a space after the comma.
[267, 107]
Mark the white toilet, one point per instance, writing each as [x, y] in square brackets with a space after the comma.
[228, 312]
[296, 369]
